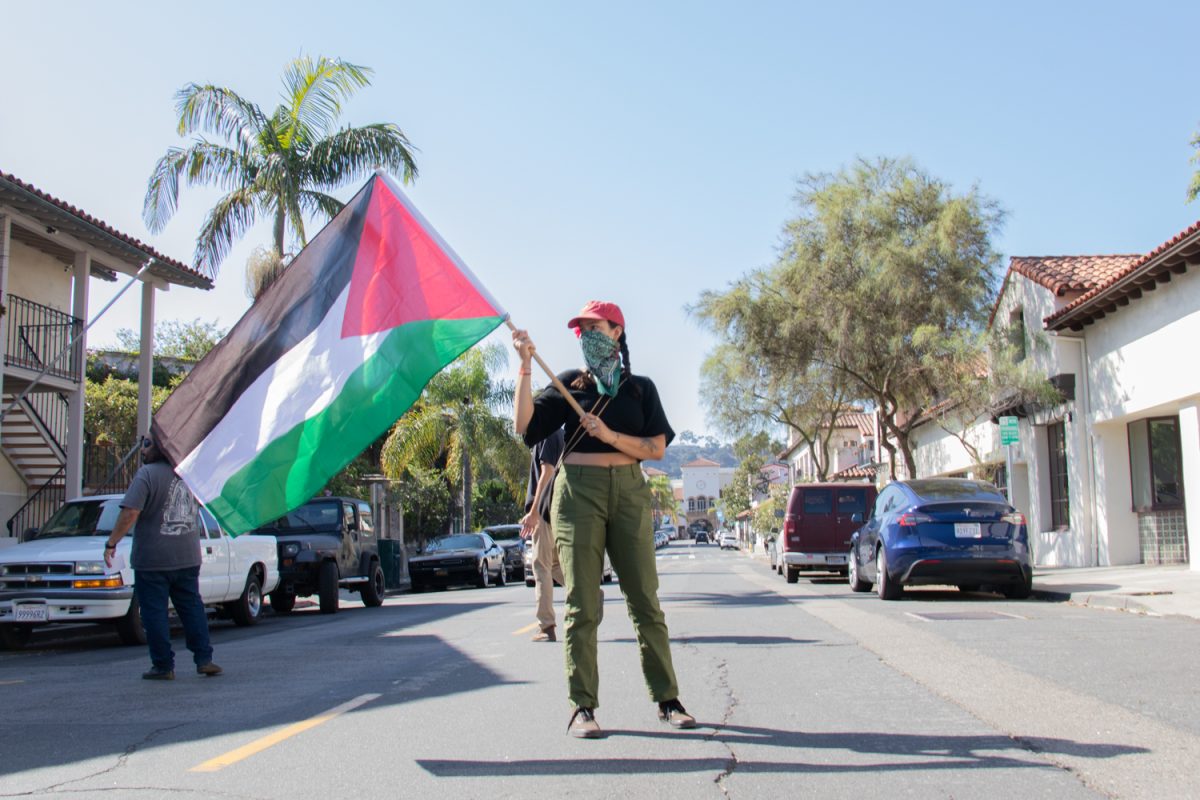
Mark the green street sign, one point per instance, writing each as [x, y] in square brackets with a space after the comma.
[1009, 431]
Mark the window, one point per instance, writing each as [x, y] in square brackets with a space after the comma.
[818, 501]
[1060, 508]
[1155, 468]
[691, 504]
[1016, 334]
[365, 521]
[851, 501]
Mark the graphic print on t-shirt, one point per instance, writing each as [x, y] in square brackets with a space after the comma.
[179, 513]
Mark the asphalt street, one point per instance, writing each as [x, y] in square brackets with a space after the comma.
[800, 689]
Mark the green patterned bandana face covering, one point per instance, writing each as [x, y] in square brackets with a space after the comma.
[603, 358]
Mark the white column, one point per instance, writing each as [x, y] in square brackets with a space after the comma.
[79, 309]
[1189, 440]
[5, 233]
[146, 359]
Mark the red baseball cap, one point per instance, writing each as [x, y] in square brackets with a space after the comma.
[597, 309]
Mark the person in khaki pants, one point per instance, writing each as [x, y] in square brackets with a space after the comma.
[536, 524]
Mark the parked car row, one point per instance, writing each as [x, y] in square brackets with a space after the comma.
[917, 532]
[59, 576]
[662, 538]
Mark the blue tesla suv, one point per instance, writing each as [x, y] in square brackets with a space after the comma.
[941, 531]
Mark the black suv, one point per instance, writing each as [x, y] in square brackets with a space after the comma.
[325, 544]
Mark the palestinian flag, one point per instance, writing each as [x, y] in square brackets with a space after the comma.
[324, 362]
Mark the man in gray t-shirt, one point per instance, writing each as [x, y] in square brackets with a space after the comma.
[165, 519]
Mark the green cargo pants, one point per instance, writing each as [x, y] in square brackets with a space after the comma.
[608, 508]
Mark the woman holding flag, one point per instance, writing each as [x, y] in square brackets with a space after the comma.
[613, 421]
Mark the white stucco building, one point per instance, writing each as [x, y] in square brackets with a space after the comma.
[1103, 476]
[704, 481]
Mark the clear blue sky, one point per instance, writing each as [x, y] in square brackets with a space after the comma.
[634, 151]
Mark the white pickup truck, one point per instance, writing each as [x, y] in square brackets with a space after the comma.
[59, 576]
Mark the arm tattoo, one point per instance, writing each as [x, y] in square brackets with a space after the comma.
[646, 444]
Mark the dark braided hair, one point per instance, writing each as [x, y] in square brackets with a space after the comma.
[585, 381]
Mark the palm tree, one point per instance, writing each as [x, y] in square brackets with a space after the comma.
[456, 430]
[662, 498]
[282, 165]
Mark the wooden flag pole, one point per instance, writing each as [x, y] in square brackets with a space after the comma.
[553, 378]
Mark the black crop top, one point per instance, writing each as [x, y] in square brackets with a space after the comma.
[626, 413]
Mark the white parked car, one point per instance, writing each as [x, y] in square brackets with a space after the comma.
[60, 575]
[727, 539]
[606, 576]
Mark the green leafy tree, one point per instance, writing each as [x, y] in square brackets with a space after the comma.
[494, 504]
[281, 165]
[881, 258]
[460, 430]
[768, 514]
[176, 339]
[743, 396]
[662, 499]
[110, 410]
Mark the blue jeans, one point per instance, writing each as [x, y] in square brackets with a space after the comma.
[182, 587]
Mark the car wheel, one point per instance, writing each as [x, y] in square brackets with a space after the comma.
[417, 588]
[373, 590]
[247, 608]
[485, 576]
[282, 600]
[15, 637]
[1018, 591]
[886, 586]
[857, 584]
[606, 577]
[793, 574]
[129, 627]
[502, 577]
[327, 587]
[968, 587]
[530, 582]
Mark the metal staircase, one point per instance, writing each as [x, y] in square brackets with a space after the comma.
[32, 434]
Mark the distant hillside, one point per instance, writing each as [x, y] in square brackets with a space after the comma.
[679, 454]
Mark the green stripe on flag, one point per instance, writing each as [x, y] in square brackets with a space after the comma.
[294, 467]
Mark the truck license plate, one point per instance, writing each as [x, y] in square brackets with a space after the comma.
[441, 573]
[835, 559]
[966, 530]
[31, 613]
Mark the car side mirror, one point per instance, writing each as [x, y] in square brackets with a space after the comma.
[857, 516]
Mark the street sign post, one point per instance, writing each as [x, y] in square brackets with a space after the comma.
[1010, 434]
[1010, 431]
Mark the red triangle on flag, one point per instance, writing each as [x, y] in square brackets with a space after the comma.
[403, 274]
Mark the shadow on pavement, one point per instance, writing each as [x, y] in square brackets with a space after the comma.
[988, 751]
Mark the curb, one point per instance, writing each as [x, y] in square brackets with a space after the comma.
[1112, 601]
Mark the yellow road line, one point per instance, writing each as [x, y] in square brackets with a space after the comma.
[244, 752]
[526, 629]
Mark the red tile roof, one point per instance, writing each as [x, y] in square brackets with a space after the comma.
[701, 462]
[101, 225]
[858, 472]
[1117, 276]
[652, 472]
[1062, 274]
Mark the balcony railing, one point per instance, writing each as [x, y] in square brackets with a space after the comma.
[37, 335]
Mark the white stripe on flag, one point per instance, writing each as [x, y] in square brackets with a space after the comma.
[297, 387]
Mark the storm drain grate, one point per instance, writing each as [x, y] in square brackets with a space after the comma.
[935, 616]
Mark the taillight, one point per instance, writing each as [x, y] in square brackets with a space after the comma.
[789, 526]
[1014, 518]
[911, 519]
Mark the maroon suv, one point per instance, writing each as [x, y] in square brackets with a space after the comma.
[816, 530]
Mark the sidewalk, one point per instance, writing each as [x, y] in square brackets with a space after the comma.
[1141, 588]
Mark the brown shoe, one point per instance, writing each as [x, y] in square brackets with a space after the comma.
[545, 635]
[583, 724]
[674, 714]
[209, 670]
